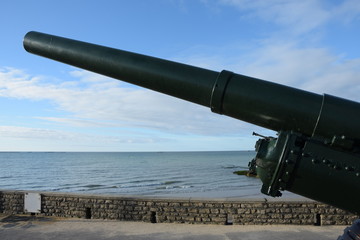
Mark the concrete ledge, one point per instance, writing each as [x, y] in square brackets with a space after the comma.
[180, 210]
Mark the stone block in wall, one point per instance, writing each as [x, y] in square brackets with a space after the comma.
[219, 220]
[209, 205]
[172, 210]
[189, 219]
[212, 211]
[227, 205]
[174, 204]
[137, 208]
[199, 204]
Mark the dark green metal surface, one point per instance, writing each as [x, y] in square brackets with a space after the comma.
[263, 103]
[317, 151]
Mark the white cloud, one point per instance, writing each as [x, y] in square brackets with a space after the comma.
[285, 55]
[289, 53]
[312, 69]
[26, 133]
[16, 138]
[308, 68]
[298, 17]
[348, 11]
[103, 102]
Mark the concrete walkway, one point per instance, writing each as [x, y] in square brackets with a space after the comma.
[36, 227]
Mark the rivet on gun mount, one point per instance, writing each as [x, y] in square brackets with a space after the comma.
[311, 128]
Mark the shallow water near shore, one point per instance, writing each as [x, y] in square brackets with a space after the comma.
[169, 174]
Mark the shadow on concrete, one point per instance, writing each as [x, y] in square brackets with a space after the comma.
[24, 221]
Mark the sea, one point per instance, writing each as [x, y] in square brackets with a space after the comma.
[161, 174]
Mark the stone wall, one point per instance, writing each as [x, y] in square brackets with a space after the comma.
[157, 210]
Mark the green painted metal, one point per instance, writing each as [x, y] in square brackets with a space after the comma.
[317, 151]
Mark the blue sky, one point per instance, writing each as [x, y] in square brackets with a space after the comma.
[49, 106]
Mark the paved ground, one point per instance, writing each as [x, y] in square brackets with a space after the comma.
[31, 227]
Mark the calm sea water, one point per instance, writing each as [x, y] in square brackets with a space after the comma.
[172, 174]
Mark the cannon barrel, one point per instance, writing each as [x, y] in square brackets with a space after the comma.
[259, 102]
[317, 151]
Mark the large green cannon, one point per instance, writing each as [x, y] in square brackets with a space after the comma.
[317, 151]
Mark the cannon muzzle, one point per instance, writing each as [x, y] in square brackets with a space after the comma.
[316, 153]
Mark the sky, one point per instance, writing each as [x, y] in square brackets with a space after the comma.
[45, 105]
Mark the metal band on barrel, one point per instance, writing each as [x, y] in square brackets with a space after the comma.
[218, 91]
